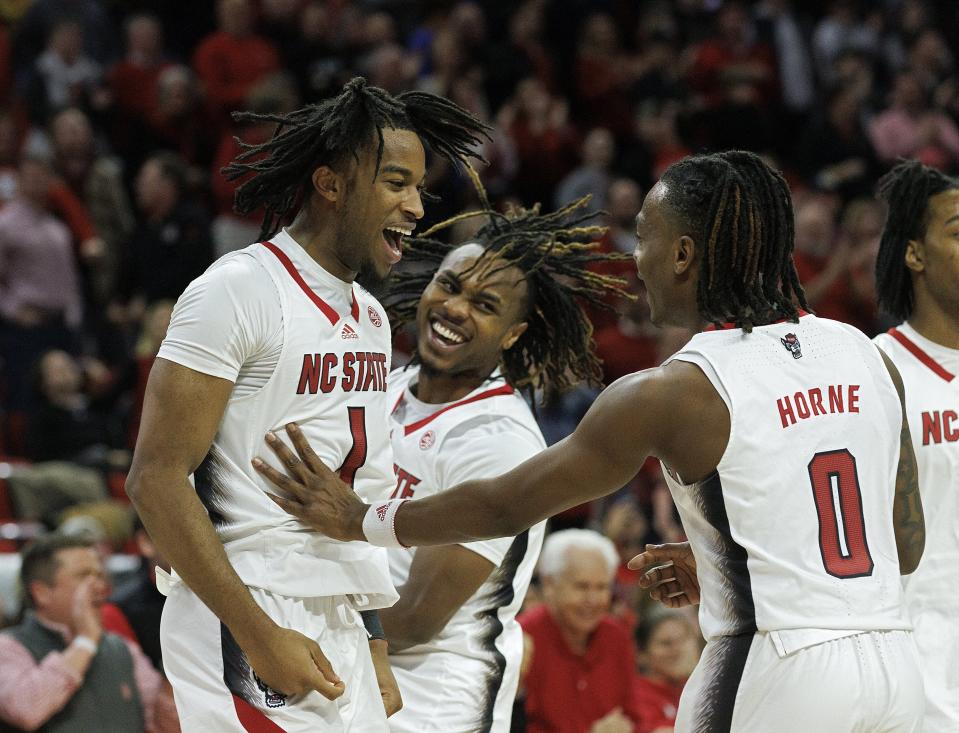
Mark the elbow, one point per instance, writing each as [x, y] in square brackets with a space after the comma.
[910, 557]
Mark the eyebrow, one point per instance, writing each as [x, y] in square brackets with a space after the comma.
[483, 294]
[399, 170]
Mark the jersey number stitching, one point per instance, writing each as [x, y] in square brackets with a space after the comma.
[842, 527]
[357, 455]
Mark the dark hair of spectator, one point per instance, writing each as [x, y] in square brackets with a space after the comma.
[39, 559]
[740, 213]
[906, 189]
[647, 627]
[325, 133]
[173, 168]
[555, 252]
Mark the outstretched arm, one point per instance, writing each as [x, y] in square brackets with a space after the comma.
[661, 411]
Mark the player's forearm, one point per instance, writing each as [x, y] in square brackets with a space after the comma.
[179, 526]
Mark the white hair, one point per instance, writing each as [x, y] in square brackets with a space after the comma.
[559, 545]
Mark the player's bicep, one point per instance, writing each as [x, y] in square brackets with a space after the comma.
[182, 410]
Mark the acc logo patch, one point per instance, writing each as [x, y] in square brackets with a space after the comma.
[271, 697]
[374, 316]
[429, 437]
[792, 345]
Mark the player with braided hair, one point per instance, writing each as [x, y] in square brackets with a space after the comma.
[497, 315]
[783, 443]
[268, 626]
[917, 281]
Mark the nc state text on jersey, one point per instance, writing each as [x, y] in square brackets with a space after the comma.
[815, 401]
[359, 371]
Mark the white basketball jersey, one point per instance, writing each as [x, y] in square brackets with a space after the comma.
[932, 407]
[794, 529]
[330, 378]
[435, 447]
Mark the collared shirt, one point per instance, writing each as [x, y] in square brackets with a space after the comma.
[568, 692]
[31, 693]
[37, 265]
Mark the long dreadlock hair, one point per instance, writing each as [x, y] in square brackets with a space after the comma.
[906, 189]
[345, 125]
[554, 252]
[739, 210]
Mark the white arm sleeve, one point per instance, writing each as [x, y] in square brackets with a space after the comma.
[485, 451]
[225, 318]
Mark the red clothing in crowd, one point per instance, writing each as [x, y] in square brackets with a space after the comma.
[229, 67]
[657, 703]
[839, 301]
[134, 89]
[713, 60]
[624, 354]
[566, 692]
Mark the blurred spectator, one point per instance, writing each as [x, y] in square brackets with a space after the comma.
[97, 180]
[910, 128]
[232, 59]
[153, 330]
[629, 344]
[63, 75]
[840, 30]
[70, 424]
[139, 599]
[835, 153]
[171, 243]
[182, 121]
[391, 67]
[33, 29]
[523, 55]
[545, 141]
[602, 77]
[581, 675]
[133, 80]
[58, 669]
[793, 55]
[40, 302]
[10, 140]
[592, 177]
[658, 132]
[449, 61]
[668, 649]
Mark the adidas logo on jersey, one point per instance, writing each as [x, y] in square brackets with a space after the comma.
[348, 332]
[381, 511]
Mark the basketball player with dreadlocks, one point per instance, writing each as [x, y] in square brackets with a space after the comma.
[784, 446]
[483, 337]
[917, 281]
[266, 628]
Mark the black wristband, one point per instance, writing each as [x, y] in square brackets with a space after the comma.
[371, 620]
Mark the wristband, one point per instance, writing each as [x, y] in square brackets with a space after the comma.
[85, 642]
[374, 628]
[379, 523]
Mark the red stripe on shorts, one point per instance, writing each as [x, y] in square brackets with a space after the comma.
[252, 719]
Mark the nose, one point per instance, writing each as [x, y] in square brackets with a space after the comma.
[413, 205]
[456, 307]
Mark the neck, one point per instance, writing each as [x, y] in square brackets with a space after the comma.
[161, 211]
[435, 388]
[934, 322]
[317, 237]
[576, 641]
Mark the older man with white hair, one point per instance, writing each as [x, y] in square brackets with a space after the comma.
[580, 676]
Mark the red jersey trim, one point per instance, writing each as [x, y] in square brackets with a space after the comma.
[728, 326]
[496, 392]
[913, 348]
[324, 307]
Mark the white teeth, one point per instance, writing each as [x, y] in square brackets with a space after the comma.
[400, 230]
[447, 333]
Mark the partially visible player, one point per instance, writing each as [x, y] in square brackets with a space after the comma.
[785, 448]
[266, 628]
[917, 280]
[484, 313]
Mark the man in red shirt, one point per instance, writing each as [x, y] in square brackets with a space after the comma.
[580, 678]
[669, 648]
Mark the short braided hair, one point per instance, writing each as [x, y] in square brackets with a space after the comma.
[740, 213]
[906, 189]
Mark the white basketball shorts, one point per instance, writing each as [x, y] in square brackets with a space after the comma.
[215, 688]
[866, 683]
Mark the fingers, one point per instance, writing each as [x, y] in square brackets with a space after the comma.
[280, 480]
[306, 452]
[293, 465]
[290, 507]
[327, 683]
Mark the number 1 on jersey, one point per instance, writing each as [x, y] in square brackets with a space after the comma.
[357, 455]
[842, 530]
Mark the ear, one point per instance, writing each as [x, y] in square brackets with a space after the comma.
[329, 184]
[512, 336]
[40, 593]
[915, 256]
[684, 252]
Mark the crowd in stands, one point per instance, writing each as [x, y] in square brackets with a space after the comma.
[115, 122]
